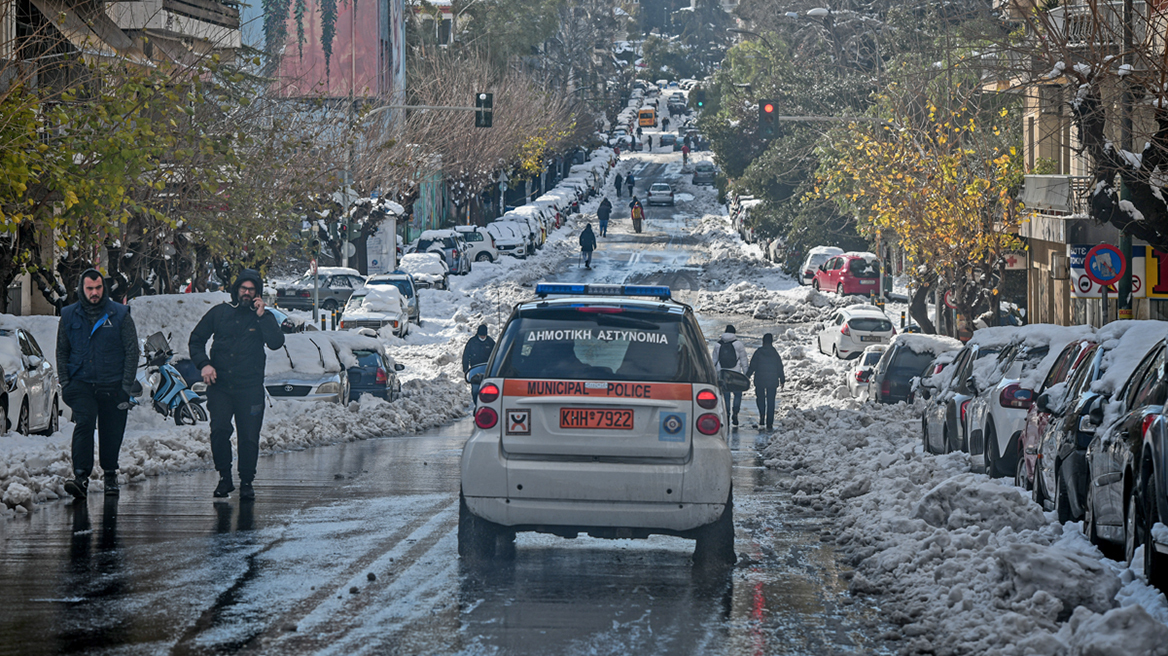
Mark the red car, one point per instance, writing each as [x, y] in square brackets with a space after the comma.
[850, 273]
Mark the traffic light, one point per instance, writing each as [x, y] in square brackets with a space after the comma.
[484, 109]
[699, 97]
[343, 230]
[314, 246]
[768, 123]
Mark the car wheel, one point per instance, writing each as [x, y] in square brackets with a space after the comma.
[835, 351]
[476, 536]
[839, 289]
[946, 446]
[1155, 567]
[22, 419]
[1089, 517]
[3, 416]
[54, 419]
[1131, 525]
[815, 284]
[990, 455]
[484, 257]
[1020, 476]
[715, 541]
[1062, 505]
[925, 434]
[329, 305]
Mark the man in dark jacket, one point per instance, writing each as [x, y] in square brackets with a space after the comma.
[620, 182]
[97, 362]
[602, 213]
[477, 351]
[235, 376]
[767, 367]
[631, 182]
[587, 244]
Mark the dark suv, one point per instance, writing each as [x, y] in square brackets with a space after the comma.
[906, 358]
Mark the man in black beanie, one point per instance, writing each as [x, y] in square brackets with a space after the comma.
[477, 351]
[766, 365]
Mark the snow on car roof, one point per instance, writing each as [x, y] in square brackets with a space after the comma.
[864, 254]
[335, 271]
[1126, 343]
[826, 250]
[920, 343]
[422, 263]
[386, 299]
[303, 356]
[437, 234]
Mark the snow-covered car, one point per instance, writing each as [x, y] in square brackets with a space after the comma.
[307, 368]
[850, 273]
[815, 257]
[536, 216]
[660, 193]
[376, 308]
[509, 239]
[532, 229]
[607, 423]
[860, 374]
[405, 284]
[907, 358]
[290, 323]
[480, 242]
[450, 245]
[373, 371]
[948, 393]
[335, 285]
[853, 329]
[30, 387]
[427, 269]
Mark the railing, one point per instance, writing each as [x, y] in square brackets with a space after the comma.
[1098, 23]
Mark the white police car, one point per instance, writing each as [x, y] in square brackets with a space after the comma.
[599, 412]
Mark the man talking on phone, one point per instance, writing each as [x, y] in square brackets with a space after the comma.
[234, 375]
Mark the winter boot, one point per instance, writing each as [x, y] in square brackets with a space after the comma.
[111, 485]
[78, 487]
[225, 485]
[734, 419]
[246, 491]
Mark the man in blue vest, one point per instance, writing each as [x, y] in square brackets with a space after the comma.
[234, 374]
[97, 360]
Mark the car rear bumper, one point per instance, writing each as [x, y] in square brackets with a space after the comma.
[548, 514]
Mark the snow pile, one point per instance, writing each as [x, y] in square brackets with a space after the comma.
[797, 305]
[173, 315]
[422, 263]
[919, 343]
[386, 299]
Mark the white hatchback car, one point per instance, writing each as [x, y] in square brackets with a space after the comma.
[599, 412]
[30, 385]
[860, 375]
[479, 243]
[853, 329]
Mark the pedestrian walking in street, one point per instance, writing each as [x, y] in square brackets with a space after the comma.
[729, 353]
[665, 123]
[603, 211]
[684, 155]
[477, 351]
[587, 244]
[630, 182]
[638, 214]
[649, 140]
[766, 365]
[97, 359]
[620, 182]
[234, 374]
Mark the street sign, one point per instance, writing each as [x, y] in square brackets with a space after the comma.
[949, 302]
[314, 266]
[1143, 267]
[1105, 264]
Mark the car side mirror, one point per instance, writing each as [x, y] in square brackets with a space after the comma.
[1096, 414]
[1043, 403]
[972, 384]
[34, 361]
[819, 326]
[476, 374]
[397, 366]
[733, 381]
[926, 394]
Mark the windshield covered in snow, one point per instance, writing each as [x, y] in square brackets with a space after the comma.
[616, 344]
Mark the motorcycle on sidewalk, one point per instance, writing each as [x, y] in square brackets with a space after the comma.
[168, 391]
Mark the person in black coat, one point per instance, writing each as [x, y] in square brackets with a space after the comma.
[234, 374]
[766, 365]
[477, 351]
[603, 212]
[97, 362]
[620, 182]
[587, 244]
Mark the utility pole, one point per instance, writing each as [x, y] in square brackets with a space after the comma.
[1124, 302]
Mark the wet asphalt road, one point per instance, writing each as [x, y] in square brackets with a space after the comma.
[352, 549]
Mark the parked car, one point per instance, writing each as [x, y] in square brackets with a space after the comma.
[31, 397]
[947, 394]
[480, 243]
[290, 324]
[427, 269]
[336, 285]
[376, 308]
[509, 240]
[852, 329]
[375, 372]
[450, 245]
[666, 140]
[815, 257]
[907, 357]
[861, 372]
[406, 285]
[660, 193]
[307, 368]
[850, 273]
[704, 173]
[1126, 463]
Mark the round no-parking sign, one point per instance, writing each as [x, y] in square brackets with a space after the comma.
[1105, 265]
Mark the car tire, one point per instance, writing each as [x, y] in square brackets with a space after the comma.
[1062, 505]
[54, 418]
[714, 545]
[839, 289]
[484, 257]
[815, 284]
[476, 536]
[1092, 528]
[329, 305]
[925, 434]
[1020, 477]
[835, 351]
[990, 449]
[1131, 526]
[1155, 564]
[22, 419]
[3, 416]
[946, 445]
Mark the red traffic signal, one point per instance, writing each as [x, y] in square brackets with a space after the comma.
[768, 124]
[768, 108]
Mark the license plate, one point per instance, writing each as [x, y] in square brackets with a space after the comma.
[871, 338]
[596, 418]
[867, 282]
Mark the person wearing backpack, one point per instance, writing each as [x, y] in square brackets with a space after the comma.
[729, 353]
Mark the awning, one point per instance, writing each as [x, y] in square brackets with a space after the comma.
[92, 32]
[1053, 193]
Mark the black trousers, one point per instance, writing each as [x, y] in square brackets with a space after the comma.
[765, 398]
[96, 407]
[246, 407]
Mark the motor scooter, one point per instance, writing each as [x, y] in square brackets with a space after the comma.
[169, 393]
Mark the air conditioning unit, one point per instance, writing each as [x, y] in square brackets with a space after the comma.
[1058, 267]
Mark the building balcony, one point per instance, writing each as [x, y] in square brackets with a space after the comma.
[209, 22]
[1099, 24]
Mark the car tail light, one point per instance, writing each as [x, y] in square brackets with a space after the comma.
[709, 424]
[305, 294]
[489, 393]
[343, 326]
[886, 387]
[707, 399]
[454, 254]
[486, 417]
[382, 376]
[894, 330]
[845, 330]
[964, 411]
[1147, 423]
[863, 375]
[1016, 396]
[937, 369]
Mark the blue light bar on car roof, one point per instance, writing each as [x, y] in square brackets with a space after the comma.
[656, 291]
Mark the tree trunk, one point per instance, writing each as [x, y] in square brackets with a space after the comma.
[918, 309]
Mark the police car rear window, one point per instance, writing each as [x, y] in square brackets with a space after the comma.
[590, 343]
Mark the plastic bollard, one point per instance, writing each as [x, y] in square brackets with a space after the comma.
[323, 323]
[902, 319]
[334, 320]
